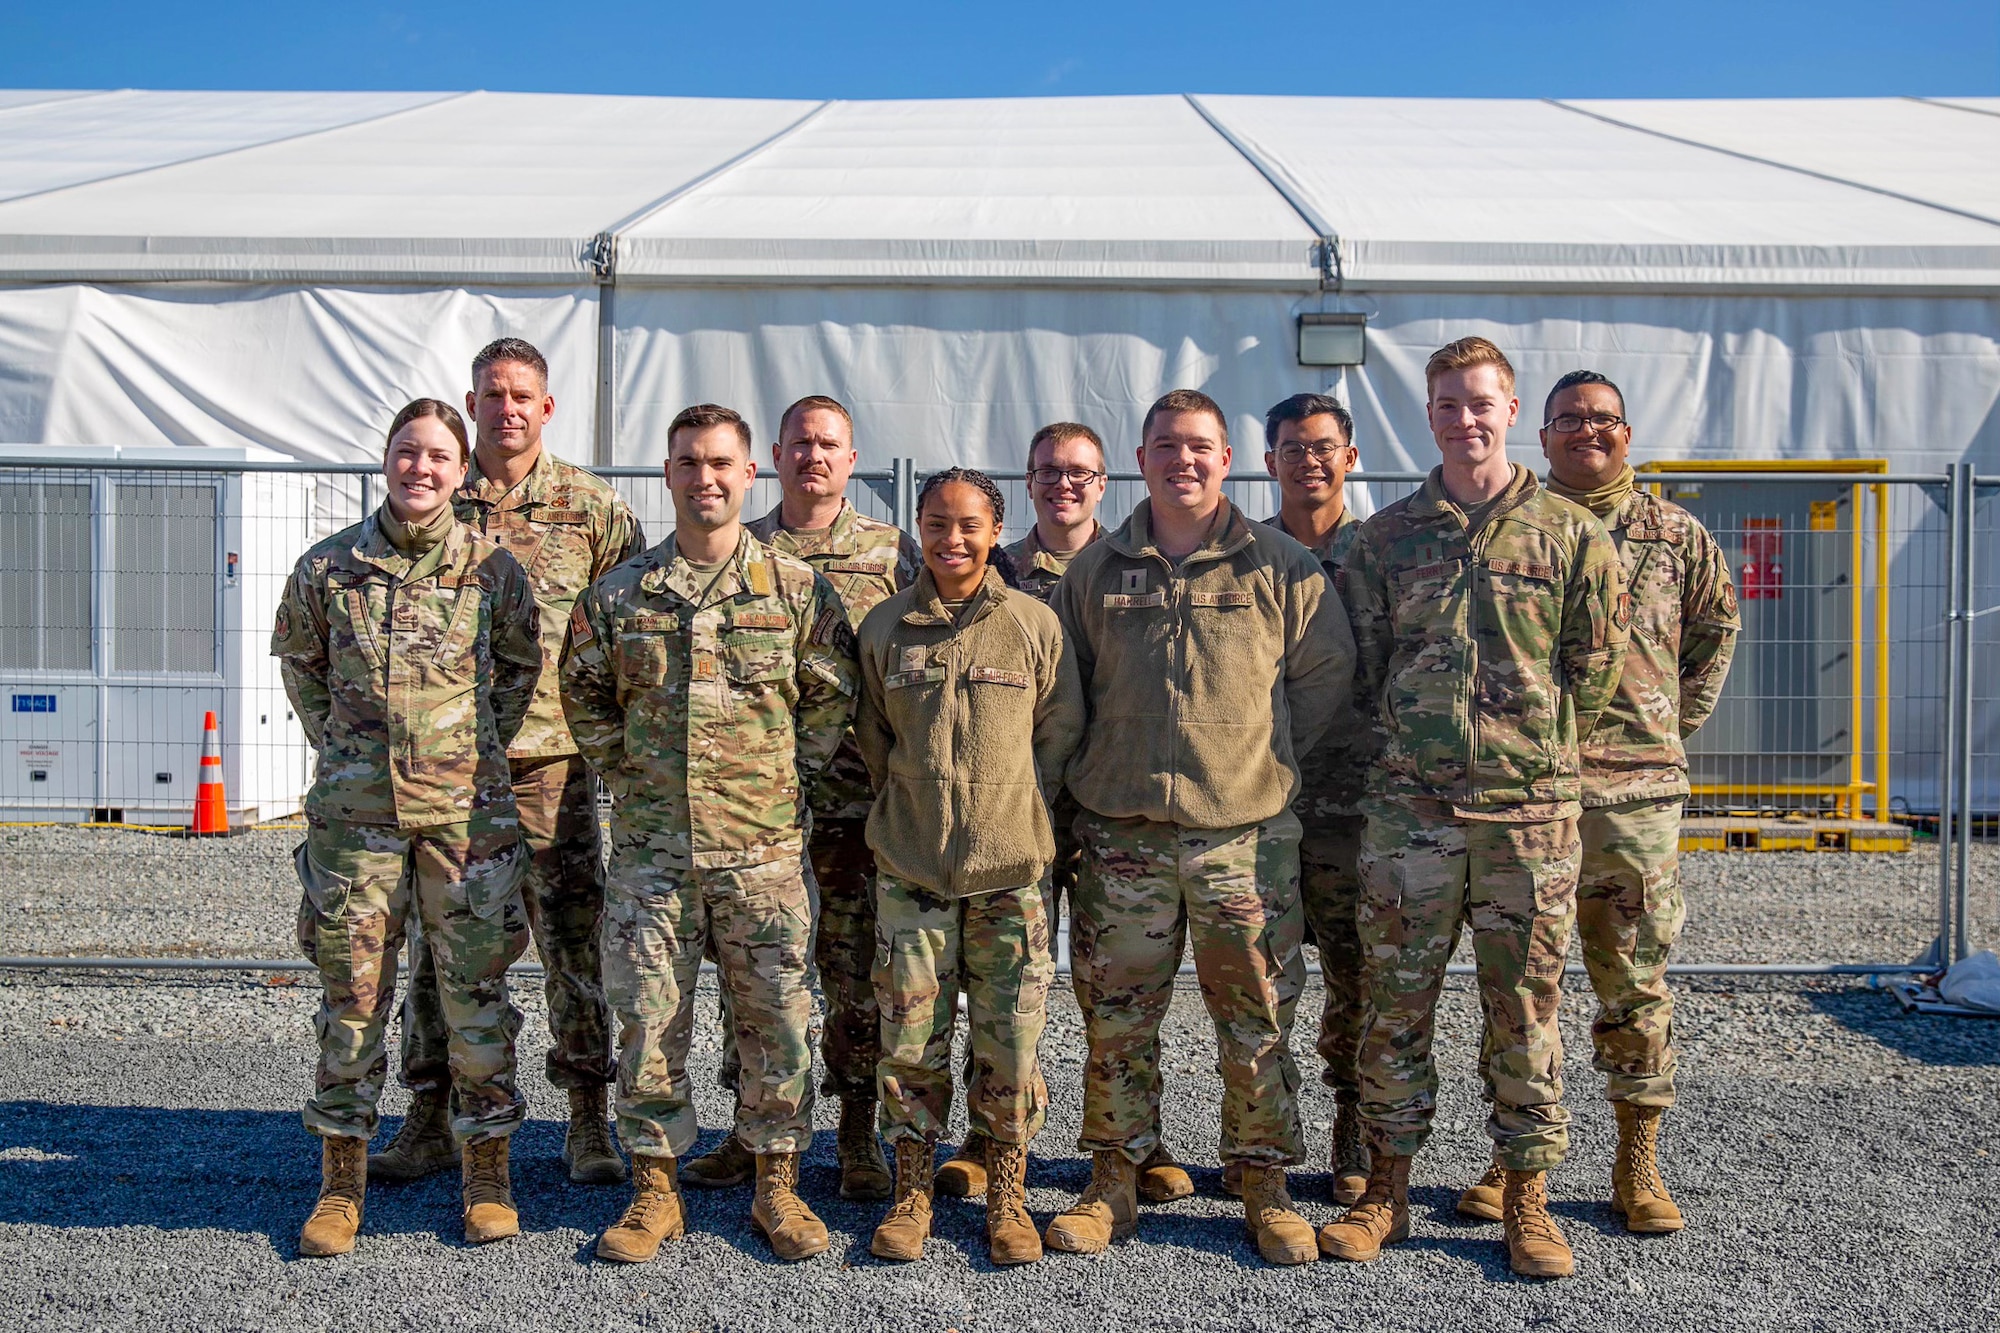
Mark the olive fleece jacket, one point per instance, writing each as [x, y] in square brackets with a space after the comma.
[965, 725]
[1205, 681]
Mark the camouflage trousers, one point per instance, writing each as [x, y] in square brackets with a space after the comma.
[564, 893]
[658, 922]
[994, 946]
[1145, 889]
[363, 884]
[1330, 889]
[1422, 871]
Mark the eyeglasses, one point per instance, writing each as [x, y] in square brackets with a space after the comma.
[1570, 425]
[1320, 452]
[1075, 476]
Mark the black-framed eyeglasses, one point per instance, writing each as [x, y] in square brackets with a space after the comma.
[1322, 451]
[1570, 424]
[1075, 476]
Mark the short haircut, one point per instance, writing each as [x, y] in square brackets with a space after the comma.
[703, 415]
[820, 402]
[510, 349]
[418, 408]
[1183, 400]
[1302, 405]
[1464, 355]
[1058, 431]
[972, 477]
[1576, 377]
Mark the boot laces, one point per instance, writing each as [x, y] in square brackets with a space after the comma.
[1006, 1185]
[1268, 1196]
[1646, 1158]
[1103, 1180]
[593, 1138]
[486, 1182]
[1528, 1214]
[1347, 1138]
[417, 1126]
[347, 1173]
[781, 1194]
[912, 1176]
[647, 1210]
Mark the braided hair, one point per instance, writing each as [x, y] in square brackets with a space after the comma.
[1000, 561]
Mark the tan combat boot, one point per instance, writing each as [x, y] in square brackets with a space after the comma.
[1011, 1237]
[907, 1224]
[587, 1150]
[1107, 1210]
[1483, 1200]
[488, 1193]
[864, 1172]
[1161, 1178]
[1282, 1236]
[779, 1215]
[1381, 1217]
[725, 1166]
[653, 1217]
[1349, 1156]
[965, 1174]
[423, 1145]
[343, 1185]
[1638, 1194]
[1535, 1245]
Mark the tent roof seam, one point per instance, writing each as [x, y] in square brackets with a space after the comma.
[1952, 106]
[714, 173]
[1279, 180]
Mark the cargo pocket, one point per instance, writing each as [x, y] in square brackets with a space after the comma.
[1555, 911]
[1036, 978]
[488, 888]
[325, 892]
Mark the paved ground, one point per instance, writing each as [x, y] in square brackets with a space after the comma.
[1840, 1165]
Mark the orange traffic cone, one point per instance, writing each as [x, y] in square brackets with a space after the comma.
[211, 815]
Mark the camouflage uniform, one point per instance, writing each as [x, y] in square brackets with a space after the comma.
[1331, 781]
[966, 721]
[1487, 652]
[704, 701]
[410, 676]
[1635, 779]
[1205, 679]
[566, 527]
[865, 560]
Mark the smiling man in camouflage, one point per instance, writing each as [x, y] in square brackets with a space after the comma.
[1635, 779]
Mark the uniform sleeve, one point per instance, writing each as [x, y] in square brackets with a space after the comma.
[1069, 601]
[1364, 591]
[873, 735]
[623, 538]
[1059, 714]
[827, 673]
[517, 651]
[1319, 658]
[298, 641]
[909, 560]
[590, 686]
[1709, 625]
[1597, 621]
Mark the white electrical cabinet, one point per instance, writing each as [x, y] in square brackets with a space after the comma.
[132, 602]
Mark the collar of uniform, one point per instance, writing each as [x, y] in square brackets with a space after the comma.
[373, 547]
[927, 608]
[534, 488]
[672, 573]
[1432, 501]
[1135, 537]
[1347, 519]
[1038, 556]
[839, 534]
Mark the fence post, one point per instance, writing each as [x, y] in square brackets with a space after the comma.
[1968, 601]
[905, 490]
[1954, 755]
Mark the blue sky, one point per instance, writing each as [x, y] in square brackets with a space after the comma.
[1685, 48]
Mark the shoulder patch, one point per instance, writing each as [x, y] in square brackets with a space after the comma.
[283, 628]
[1621, 614]
[580, 631]
[827, 627]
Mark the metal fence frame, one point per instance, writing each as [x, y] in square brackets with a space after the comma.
[1956, 491]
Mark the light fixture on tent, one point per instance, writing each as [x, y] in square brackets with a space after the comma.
[1333, 339]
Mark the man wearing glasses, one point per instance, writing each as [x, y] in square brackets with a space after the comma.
[1629, 908]
[1309, 448]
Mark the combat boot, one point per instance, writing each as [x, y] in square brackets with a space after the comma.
[1381, 1217]
[1535, 1244]
[1011, 1237]
[343, 1186]
[424, 1144]
[864, 1172]
[1483, 1199]
[725, 1166]
[587, 1150]
[779, 1215]
[1107, 1210]
[907, 1224]
[965, 1174]
[654, 1216]
[1161, 1178]
[1638, 1194]
[1282, 1236]
[488, 1193]
[1349, 1156]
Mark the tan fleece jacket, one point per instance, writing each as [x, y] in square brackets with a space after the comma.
[1205, 681]
[965, 727]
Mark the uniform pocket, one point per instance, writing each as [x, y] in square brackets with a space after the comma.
[488, 888]
[642, 660]
[325, 891]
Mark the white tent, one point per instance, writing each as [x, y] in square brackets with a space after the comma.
[1808, 279]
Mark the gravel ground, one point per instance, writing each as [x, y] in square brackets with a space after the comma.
[1838, 1163]
[84, 891]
